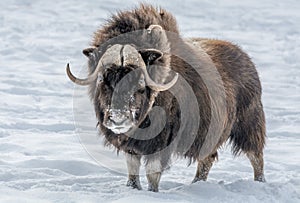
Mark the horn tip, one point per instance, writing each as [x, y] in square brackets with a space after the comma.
[68, 68]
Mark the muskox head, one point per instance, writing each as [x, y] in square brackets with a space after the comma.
[126, 81]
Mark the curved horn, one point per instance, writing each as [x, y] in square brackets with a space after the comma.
[158, 87]
[111, 56]
[153, 26]
[79, 81]
[132, 56]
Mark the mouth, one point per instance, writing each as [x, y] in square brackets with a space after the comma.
[120, 121]
[119, 127]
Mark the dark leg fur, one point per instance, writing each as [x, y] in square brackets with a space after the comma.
[204, 167]
[134, 182]
[248, 136]
[257, 163]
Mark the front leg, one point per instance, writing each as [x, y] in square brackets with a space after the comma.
[133, 167]
[153, 172]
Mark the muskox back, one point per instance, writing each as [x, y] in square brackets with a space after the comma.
[243, 90]
[246, 122]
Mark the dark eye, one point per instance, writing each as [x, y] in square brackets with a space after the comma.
[141, 91]
[136, 114]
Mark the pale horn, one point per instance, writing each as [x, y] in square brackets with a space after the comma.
[111, 56]
[131, 56]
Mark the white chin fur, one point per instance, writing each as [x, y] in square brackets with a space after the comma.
[120, 129]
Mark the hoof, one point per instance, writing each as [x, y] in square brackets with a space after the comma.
[134, 184]
[260, 179]
[196, 179]
[152, 189]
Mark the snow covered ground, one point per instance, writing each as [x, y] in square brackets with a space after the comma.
[42, 153]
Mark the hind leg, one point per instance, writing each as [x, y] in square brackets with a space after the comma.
[204, 167]
[248, 136]
[257, 162]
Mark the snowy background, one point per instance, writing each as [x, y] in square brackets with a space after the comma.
[41, 156]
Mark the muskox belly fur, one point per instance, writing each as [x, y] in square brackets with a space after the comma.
[241, 121]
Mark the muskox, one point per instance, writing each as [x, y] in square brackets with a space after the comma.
[194, 94]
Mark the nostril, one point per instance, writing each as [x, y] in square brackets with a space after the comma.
[118, 119]
[117, 116]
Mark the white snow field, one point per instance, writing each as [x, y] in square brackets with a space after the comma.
[42, 152]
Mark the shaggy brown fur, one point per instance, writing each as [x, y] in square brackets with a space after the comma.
[137, 19]
[243, 124]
